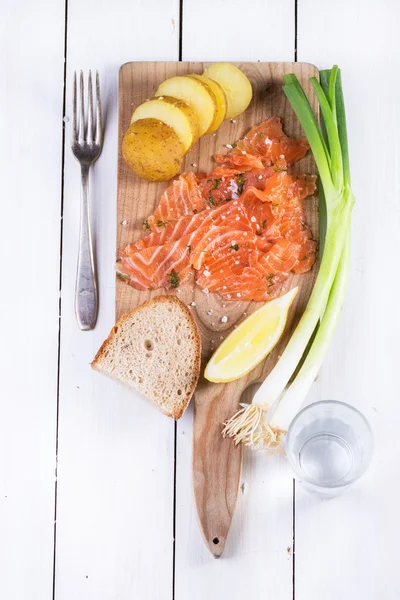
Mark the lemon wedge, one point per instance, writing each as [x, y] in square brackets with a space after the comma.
[251, 341]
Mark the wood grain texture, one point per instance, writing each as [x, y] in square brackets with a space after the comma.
[215, 482]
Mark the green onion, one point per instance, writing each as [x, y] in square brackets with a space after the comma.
[330, 150]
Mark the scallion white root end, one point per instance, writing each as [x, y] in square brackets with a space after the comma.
[249, 427]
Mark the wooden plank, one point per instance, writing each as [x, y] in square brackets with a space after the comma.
[216, 483]
[346, 547]
[256, 562]
[262, 31]
[115, 493]
[30, 158]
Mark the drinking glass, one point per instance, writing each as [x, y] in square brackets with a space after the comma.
[329, 445]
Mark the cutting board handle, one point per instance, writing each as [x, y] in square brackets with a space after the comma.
[217, 462]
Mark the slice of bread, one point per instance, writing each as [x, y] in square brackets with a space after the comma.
[155, 349]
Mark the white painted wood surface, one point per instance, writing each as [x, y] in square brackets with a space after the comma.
[31, 93]
[115, 492]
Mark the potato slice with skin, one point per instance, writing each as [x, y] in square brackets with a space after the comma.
[152, 150]
[220, 98]
[196, 94]
[174, 113]
[235, 84]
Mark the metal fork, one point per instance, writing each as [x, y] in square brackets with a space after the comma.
[86, 144]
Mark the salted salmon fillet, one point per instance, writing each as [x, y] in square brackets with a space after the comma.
[237, 231]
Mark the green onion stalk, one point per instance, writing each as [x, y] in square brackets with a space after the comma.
[264, 422]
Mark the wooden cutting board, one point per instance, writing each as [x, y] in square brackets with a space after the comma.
[216, 461]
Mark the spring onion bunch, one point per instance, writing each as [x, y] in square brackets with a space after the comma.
[265, 421]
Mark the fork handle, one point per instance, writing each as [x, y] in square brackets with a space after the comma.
[86, 301]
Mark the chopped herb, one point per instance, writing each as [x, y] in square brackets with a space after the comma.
[235, 247]
[173, 278]
[279, 168]
[146, 224]
[271, 276]
[215, 183]
[162, 223]
[240, 180]
[228, 199]
[264, 224]
[211, 199]
[122, 275]
[259, 133]
[189, 248]
[234, 145]
[304, 257]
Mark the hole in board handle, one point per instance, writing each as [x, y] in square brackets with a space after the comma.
[215, 541]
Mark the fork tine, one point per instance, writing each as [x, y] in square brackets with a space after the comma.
[81, 137]
[99, 124]
[90, 132]
[74, 132]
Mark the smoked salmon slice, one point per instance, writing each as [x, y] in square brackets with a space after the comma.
[238, 231]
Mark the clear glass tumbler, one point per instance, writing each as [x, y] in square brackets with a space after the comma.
[329, 445]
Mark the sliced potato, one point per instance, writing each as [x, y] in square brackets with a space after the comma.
[235, 84]
[152, 150]
[196, 94]
[174, 113]
[220, 98]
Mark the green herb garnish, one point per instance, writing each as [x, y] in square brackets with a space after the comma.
[162, 223]
[146, 224]
[173, 279]
[235, 247]
[240, 180]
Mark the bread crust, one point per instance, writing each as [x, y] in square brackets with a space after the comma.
[177, 411]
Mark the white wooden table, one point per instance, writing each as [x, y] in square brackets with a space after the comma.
[92, 504]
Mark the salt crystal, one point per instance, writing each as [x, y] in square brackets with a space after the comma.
[209, 312]
[244, 152]
[161, 97]
[260, 177]
[124, 223]
[237, 219]
[193, 303]
[194, 165]
[223, 217]
[224, 287]
[281, 156]
[206, 273]
[245, 233]
[214, 134]
[253, 219]
[236, 262]
[229, 146]
[233, 121]
[224, 319]
[239, 295]
[205, 291]
[66, 119]
[228, 296]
